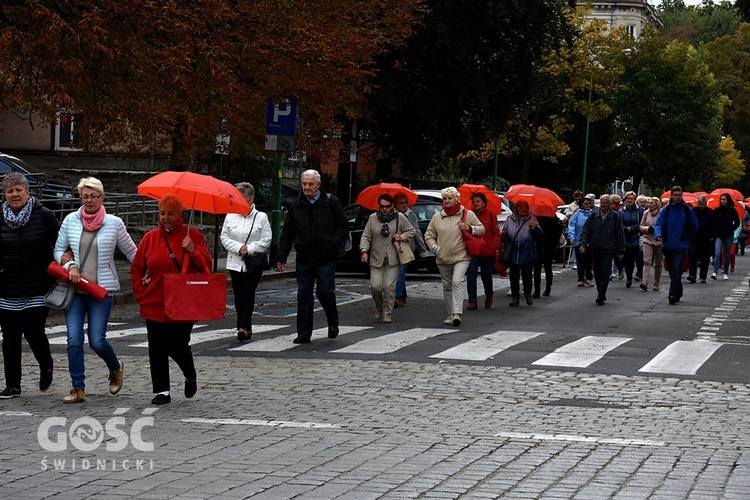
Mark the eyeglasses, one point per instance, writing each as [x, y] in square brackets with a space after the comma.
[386, 206]
[87, 197]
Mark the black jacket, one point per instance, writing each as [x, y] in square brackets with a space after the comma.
[706, 224]
[317, 230]
[603, 235]
[25, 254]
[727, 221]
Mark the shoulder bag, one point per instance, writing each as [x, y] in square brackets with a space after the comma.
[258, 260]
[192, 297]
[60, 296]
[475, 245]
[403, 249]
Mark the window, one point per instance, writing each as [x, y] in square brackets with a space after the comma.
[67, 128]
[630, 28]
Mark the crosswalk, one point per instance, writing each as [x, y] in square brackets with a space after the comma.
[679, 357]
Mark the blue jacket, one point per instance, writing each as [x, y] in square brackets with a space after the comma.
[676, 226]
[631, 224]
[575, 225]
[113, 233]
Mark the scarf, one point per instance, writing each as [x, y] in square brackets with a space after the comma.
[452, 211]
[20, 219]
[92, 222]
[385, 219]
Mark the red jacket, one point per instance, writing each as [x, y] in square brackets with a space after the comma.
[153, 258]
[491, 233]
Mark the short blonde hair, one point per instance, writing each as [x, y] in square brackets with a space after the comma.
[451, 192]
[171, 201]
[656, 200]
[641, 198]
[615, 198]
[91, 183]
[630, 193]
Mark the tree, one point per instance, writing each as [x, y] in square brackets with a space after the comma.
[731, 166]
[144, 72]
[698, 24]
[453, 87]
[667, 115]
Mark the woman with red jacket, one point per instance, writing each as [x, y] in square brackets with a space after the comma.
[167, 249]
[486, 261]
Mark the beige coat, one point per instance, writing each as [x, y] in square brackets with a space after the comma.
[378, 246]
[443, 231]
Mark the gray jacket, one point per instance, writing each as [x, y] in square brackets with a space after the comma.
[603, 234]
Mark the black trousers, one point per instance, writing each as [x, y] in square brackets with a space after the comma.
[244, 286]
[584, 263]
[544, 261]
[700, 253]
[27, 323]
[518, 273]
[602, 265]
[629, 261]
[169, 340]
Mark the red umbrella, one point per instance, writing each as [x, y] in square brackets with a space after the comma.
[197, 192]
[747, 202]
[368, 198]
[494, 204]
[714, 201]
[543, 202]
[736, 195]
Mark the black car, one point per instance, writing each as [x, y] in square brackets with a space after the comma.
[53, 193]
[357, 216]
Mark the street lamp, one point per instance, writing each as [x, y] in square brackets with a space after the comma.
[586, 142]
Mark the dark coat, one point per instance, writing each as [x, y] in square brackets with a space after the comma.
[706, 224]
[603, 235]
[26, 252]
[317, 230]
[631, 224]
[727, 221]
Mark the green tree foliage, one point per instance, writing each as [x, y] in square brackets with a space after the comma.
[454, 86]
[698, 24]
[667, 115]
[730, 168]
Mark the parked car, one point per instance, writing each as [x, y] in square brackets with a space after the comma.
[357, 215]
[53, 193]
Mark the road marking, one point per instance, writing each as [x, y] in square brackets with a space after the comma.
[580, 439]
[583, 352]
[220, 334]
[284, 342]
[266, 423]
[111, 335]
[683, 357]
[486, 346]
[394, 341]
[15, 414]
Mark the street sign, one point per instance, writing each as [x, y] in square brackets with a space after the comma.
[281, 118]
[280, 142]
[222, 144]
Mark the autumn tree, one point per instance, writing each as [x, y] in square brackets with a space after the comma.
[154, 72]
[730, 167]
[698, 24]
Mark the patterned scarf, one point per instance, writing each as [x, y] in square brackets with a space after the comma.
[20, 219]
[385, 219]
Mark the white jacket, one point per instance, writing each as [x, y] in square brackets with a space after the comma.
[234, 233]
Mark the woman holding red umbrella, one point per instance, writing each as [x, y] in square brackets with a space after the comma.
[486, 261]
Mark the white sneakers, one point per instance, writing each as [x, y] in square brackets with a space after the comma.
[726, 277]
[713, 276]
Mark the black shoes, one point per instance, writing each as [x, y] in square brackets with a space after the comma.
[536, 295]
[673, 300]
[45, 379]
[162, 399]
[10, 392]
[514, 302]
[628, 284]
[691, 279]
[191, 387]
[599, 302]
[244, 334]
[528, 300]
[333, 332]
[304, 340]
[547, 292]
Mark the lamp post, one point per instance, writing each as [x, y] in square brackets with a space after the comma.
[586, 142]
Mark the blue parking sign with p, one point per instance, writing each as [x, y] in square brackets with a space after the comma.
[281, 118]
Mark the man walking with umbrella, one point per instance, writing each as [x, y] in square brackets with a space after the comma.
[316, 225]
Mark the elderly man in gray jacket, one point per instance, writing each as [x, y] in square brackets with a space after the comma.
[603, 236]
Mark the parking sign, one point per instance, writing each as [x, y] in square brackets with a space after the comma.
[281, 118]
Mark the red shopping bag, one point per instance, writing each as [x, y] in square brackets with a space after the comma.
[195, 296]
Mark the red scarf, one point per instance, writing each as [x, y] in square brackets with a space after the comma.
[92, 222]
[452, 211]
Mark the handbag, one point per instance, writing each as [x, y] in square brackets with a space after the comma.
[475, 245]
[405, 252]
[258, 260]
[194, 296]
[60, 296]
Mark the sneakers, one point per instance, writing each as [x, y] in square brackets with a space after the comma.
[726, 277]
[115, 379]
[10, 392]
[472, 305]
[581, 283]
[76, 396]
[456, 320]
[588, 284]
[713, 276]
[45, 379]
[448, 320]
[488, 301]
[387, 319]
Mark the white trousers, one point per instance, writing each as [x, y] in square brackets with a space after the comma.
[454, 285]
[383, 286]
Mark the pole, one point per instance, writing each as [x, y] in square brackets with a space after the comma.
[494, 171]
[276, 217]
[586, 145]
[216, 223]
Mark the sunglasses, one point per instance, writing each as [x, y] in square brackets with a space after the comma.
[386, 206]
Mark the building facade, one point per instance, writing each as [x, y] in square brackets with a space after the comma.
[632, 15]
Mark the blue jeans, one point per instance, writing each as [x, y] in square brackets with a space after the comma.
[98, 313]
[724, 244]
[307, 276]
[401, 282]
[675, 259]
[487, 264]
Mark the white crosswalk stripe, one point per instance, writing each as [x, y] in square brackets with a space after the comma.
[112, 334]
[224, 333]
[283, 343]
[682, 357]
[393, 341]
[583, 352]
[486, 346]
